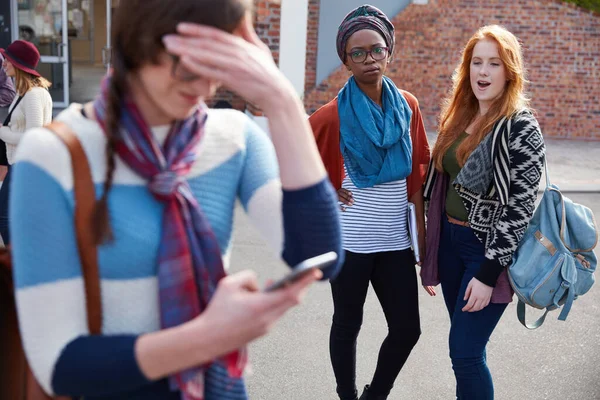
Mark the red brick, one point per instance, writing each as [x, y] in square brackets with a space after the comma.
[561, 43]
[267, 20]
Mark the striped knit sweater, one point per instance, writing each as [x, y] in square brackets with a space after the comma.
[236, 161]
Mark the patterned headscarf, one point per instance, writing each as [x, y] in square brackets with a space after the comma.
[364, 17]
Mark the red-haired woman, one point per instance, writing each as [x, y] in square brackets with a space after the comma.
[481, 185]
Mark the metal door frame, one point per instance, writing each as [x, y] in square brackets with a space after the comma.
[61, 58]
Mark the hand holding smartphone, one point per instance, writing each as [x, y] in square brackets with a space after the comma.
[320, 262]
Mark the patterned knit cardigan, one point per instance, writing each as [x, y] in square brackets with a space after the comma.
[498, 185]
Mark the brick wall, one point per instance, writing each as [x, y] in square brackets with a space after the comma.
[267, 19]
[267, 23]
[312, 44]
[561, 48]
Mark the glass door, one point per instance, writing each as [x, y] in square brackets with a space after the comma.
[44, 23]
[107, 50]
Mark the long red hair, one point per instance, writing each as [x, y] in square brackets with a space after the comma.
[461, 107]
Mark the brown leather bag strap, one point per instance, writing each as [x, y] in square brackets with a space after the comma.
[85, 201]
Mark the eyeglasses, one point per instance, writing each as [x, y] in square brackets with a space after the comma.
[180, 72]
[360, 56]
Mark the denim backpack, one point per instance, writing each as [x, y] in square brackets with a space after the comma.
[555, 260]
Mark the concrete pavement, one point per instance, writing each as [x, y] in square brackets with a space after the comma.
[573, 165]
[559, 361]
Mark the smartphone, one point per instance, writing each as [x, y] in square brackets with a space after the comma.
[319, 262]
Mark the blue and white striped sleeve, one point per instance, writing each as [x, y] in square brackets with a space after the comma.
[299, 224]
[49, 287]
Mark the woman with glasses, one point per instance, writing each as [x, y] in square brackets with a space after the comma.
[168, 172]
[31, 107]
[373, 143]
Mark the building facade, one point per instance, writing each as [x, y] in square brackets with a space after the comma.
[561, 44]
[71, 35]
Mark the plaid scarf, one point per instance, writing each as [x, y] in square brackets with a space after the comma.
[189, 258]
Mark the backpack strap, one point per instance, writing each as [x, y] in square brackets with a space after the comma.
[563, 226]
[521, 311]
[10, 113]
[85, 201]
[564, 296]
[546, 172]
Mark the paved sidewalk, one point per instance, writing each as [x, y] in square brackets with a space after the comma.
[574, 166]
[559, 361]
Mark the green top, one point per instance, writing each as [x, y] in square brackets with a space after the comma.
[454, 205]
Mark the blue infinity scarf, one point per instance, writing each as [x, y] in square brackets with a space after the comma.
[375, 141]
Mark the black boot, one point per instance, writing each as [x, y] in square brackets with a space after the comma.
[350, 398]
[367, 396]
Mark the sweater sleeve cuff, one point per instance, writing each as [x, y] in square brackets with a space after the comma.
[98, 366]
[311, 225]
[489, 272]
[320, 191]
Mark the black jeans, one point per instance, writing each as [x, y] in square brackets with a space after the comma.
[394, 279]
[4, 192]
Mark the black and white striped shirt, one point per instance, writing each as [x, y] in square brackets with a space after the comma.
[377, 221]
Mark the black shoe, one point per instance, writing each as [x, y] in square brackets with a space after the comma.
[367, 396]
[349, 397]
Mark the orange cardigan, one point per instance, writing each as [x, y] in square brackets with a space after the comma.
[325, 123]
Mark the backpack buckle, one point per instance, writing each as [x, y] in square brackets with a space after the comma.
[583, 261]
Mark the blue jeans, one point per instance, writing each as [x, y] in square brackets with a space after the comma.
[460, 256]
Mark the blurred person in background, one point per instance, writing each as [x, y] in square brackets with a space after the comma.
[7, 87]
[7, 95]
[31, 107]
